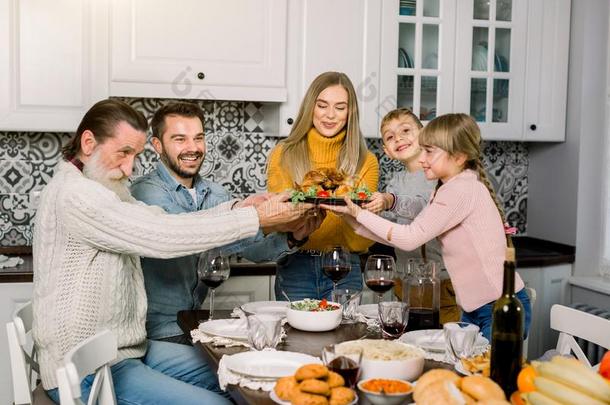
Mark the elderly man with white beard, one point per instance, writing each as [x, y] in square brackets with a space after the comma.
[89, 235]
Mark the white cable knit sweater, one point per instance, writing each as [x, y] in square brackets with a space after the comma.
[87, 273]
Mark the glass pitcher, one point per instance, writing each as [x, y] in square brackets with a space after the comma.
[421, 289]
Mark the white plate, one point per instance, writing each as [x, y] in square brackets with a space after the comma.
[229, 328]
[370, 311]
[268, 364]
[277, 399]
[433, 340]
[266, 307]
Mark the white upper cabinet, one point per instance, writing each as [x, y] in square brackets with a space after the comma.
[546, 75]
[338, 35]
[490, 68]
[418, 55]
[504, 62]
[53, 62]
[199, 49]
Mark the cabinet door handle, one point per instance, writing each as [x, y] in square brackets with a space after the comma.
[533, 127]
[200, 76]
[289, 121]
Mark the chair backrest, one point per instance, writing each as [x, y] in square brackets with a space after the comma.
[570, 323]
[24, 368]
[92, 355]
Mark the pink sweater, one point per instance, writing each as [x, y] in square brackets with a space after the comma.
[466, 221]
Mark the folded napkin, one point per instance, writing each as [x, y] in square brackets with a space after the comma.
[371, 323]
[199, 336]
[226, 377]
[6, 261]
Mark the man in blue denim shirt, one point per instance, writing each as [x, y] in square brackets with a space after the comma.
[176, 186]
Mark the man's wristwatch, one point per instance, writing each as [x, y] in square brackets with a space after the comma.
[292, 242]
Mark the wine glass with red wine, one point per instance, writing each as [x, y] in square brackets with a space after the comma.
[336, 264]
[346, 364]
[379, 274]
[213, 269]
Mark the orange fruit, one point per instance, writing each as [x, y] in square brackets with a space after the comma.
[515, 398]
[525, 379]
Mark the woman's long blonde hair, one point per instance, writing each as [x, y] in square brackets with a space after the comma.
[295, 153]
[459, 133]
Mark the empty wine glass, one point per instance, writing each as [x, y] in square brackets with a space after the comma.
[379, 274]
[336, 264]
[213, 269]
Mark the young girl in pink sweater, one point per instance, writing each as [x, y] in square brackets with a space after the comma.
[463, 213]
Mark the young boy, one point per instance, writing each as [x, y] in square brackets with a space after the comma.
[407, 194]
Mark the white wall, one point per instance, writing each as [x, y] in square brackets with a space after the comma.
[564, 180]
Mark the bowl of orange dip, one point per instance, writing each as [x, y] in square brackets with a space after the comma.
[385, 391]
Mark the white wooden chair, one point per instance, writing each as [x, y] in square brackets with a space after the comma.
[24, 368]
[570, 323]
[92, 355]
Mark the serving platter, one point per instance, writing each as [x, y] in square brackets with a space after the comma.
[433, 340]
[333, 201]
[277, 399]
[228, 328]
[277, 308]
[268, 364]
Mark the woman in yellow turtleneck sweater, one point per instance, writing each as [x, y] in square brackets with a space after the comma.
[327, 134]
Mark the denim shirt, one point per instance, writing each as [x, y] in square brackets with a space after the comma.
[172, 285]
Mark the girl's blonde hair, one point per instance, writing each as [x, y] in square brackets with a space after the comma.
[399, 113]
[295, 153]
[459, 133]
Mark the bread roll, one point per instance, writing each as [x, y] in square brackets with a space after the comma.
[433, 376]
[443, 392]
[482, 388]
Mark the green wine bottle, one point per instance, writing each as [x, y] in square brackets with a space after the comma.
[507, 331]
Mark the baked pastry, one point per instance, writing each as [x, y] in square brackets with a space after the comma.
[314, 386]
[285, 386]
[341, 396]
[432, 376]
[335, 380]
[482, 388]
[311, 371]
[443, 392]
[303, 398]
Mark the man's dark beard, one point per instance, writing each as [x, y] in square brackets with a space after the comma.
[175, 166]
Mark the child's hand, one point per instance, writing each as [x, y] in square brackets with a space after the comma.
[379, 202]
[350, 209]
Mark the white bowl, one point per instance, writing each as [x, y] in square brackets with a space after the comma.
[404, 369]
[310, 321]
[377, 398]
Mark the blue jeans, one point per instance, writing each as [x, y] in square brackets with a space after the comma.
[482, 316]
[169, 373]
[300, 276]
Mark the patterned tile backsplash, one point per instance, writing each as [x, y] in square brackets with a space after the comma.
[239, 139]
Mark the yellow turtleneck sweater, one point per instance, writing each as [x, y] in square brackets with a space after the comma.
[324, 152]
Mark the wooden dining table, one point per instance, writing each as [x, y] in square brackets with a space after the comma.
[296, 341]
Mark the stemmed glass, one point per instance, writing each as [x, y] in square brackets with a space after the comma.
[336, 264]
[379, 273]
[213, 269]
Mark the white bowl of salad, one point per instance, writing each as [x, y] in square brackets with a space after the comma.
[314, 315]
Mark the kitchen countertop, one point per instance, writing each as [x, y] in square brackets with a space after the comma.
[530, 252]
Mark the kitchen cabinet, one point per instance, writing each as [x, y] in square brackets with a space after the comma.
[504, 62]
[12, 297]
[241, 290]
[53, 62]
[201, 49]
[552, 287]
[341, 35]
